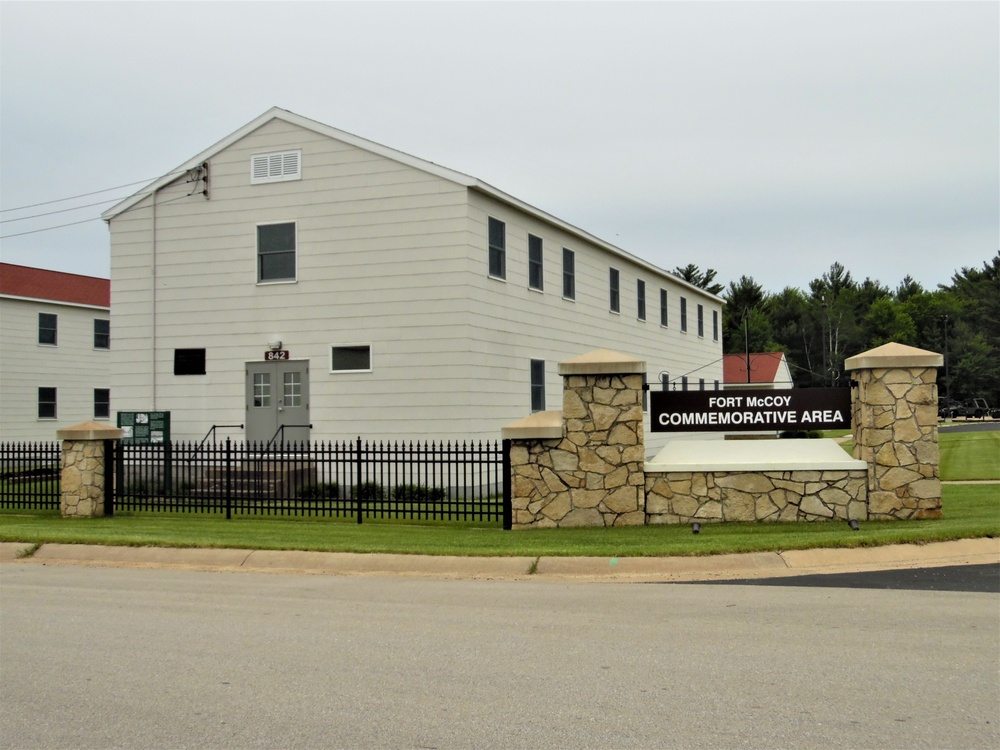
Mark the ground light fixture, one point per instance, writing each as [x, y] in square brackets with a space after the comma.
[853, 523]
[696, 528]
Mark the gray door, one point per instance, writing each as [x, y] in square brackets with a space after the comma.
[277, 394]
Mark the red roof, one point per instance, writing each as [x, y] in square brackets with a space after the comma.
[39, 283]
[763, 367]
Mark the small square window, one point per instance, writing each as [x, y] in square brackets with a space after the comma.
[189, 361]
[276, 252]
[102, 403]
[353, 358]
[102, 334]
[46, 403]
[48, 324]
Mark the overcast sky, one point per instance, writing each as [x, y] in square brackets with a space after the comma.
[760, 139]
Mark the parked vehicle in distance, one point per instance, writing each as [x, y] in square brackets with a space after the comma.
[948, 409]
[970, 408]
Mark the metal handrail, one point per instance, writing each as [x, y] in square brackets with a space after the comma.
[211, 432]
[281, 431]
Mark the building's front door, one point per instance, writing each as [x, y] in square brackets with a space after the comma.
[277, 394]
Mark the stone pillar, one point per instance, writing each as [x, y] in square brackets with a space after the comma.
[894, 419]
[82, 481]
[583, 466]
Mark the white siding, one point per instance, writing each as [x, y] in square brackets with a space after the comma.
[388, 255]
[73, 367]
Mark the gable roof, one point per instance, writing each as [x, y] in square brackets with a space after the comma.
[765, 367]
[54, 286]
[473, 183]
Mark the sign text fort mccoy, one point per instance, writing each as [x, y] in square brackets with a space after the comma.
[751, 410]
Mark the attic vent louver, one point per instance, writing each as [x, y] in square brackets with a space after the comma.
[279, 166]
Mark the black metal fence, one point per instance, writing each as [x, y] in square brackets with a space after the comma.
[356, 479]
[29, 475]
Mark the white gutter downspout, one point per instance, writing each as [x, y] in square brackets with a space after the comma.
[153, 301]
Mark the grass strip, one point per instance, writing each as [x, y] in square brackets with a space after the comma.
[970, 511]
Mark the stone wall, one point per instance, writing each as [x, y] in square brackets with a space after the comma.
[585, 465]
[800, 495]
[895, 430]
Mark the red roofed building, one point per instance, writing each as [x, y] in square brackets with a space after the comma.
[55, 332]
[767, 370]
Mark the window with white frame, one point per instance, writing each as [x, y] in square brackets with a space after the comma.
[535, 267]
[640, 293]
[663, 307]
[498, 248]
[701, 321]
[684, 314]
[351, 358]
[569, 274]
[102, 334]
[46, 403]
[276, 252]
[614, 291]
[715, 325]
[48, 325]
[278, 166]
[102, 403]
[537, 385]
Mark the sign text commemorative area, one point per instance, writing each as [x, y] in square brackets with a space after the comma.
[751, 410]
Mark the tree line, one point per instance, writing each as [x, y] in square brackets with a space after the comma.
[839, 317]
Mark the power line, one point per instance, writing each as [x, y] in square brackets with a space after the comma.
[85, 221]
[59, 211]
[85, 195]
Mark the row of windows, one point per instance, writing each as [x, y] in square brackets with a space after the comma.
[48, 331]
[498, 260]
[352, 358]
[497, 232]
[48, 403]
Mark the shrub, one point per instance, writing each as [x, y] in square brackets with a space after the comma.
[322, 491]
[368, 491]
[417, 493]
[800, 434]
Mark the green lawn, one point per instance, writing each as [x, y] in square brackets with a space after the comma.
[969, 455]
[969, 510]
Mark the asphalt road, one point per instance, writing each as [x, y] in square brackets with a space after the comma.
[979, 578]
[141, 658]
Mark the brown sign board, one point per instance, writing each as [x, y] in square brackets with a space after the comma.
[749, 410]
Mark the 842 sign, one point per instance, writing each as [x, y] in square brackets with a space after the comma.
[274, 356]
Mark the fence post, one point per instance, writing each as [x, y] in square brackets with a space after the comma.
[508, 512]
[357, 484]
[229, 480]
[82, 479]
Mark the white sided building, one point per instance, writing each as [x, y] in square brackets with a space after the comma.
[55, 335]
[293, 274]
